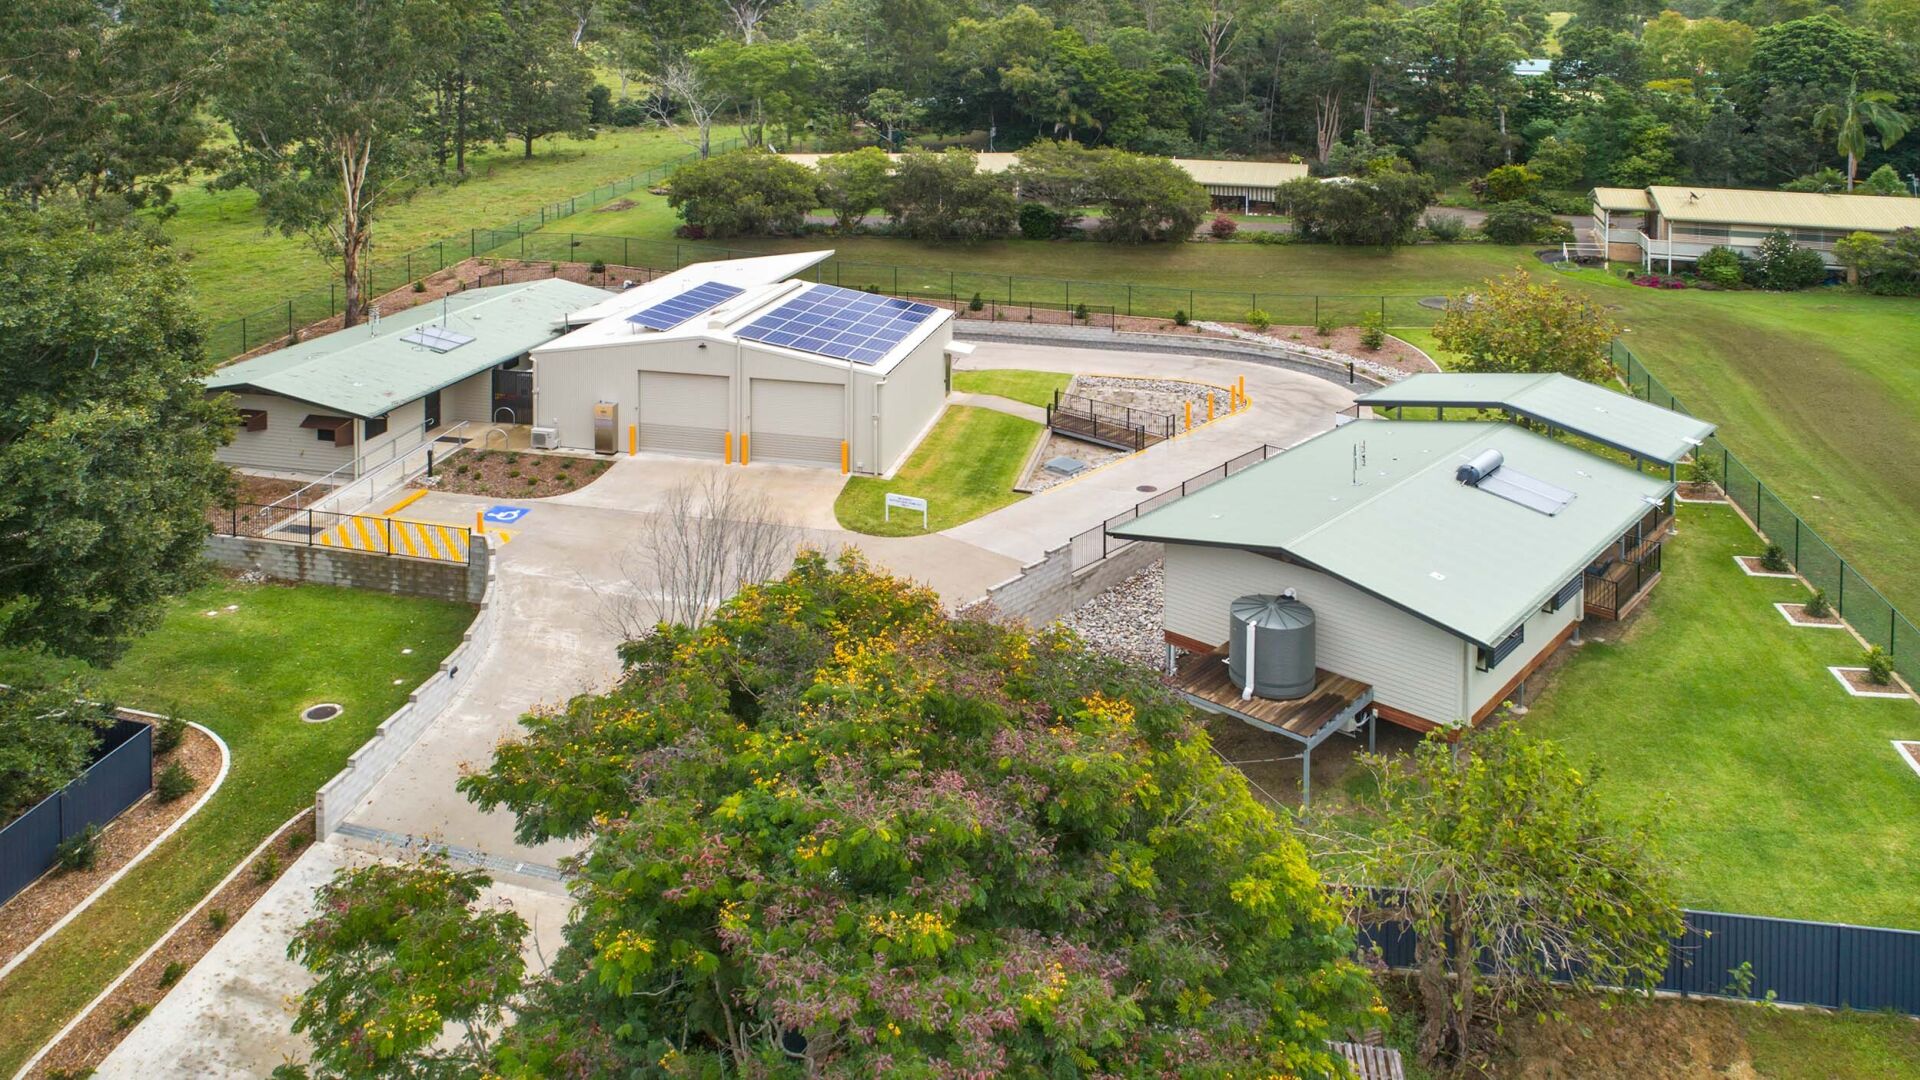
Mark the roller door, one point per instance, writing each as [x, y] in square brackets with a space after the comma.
[683, 414]
[799, 422]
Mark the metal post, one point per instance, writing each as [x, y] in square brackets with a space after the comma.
[1130, 312]
[429, 461]
[1842, 604]
[1373, 722]
[309, 526]
[235, 530]
[243, 333]
[1306, 778]
[1796, 541]
[389, 523]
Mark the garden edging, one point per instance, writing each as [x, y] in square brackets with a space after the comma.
[1130, 340]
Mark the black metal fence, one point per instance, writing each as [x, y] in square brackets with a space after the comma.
[121, 773]
[1119, 426]
[368, 534]
[1094, 544]
[1831, 965]
[394, 271]
[1863, 606]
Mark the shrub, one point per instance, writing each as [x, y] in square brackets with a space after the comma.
[1781, 265]
[1817, 605]
[1272, 239]
[743, 193]
[172, 972]
[853, 183]
[1223, 227]
[629, 114]
[976, 303]
[168, 731]
[174, 782]
[597, 267]
[945, 197]
[84, 1072]
[419, 286]
[1515, 223]
[218, 918]
[1259, 320]
[1446, 228]
[1775, 559]
[1372, 334]
[1038, 221]
[1379, 210]
[566, 465]
[1879, 665]
[1701, 470]
[1180, 317]
[1510, 183]
[599, 104]
[1325, 327]
[81, 851]
[298, 839]
[266, 868]
[133, 1015]
[1080, 312]
[1720, 265]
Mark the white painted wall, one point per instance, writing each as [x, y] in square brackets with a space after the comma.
[470, 399]
[1542, 628]
[285, 446]
[1411, 665]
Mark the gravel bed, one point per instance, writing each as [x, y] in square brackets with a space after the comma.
[1372, 367]
[1061, 446]
[1124, 620]
[1149, 395]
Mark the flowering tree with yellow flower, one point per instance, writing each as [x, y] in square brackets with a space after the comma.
[835, 831]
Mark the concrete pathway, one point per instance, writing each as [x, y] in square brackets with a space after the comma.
[1286, 408]
[999, 404]
[230, 1017]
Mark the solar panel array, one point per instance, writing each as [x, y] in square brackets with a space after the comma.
[675, 310]
[830, 321]
[438, 338]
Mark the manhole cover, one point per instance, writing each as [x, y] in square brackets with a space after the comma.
[1146, 487]
[321, 713]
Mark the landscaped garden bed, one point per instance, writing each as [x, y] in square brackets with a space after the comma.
[1798, 615]
[251, 494]
[1858, 682]
[514, 474]
[40, 905]
[1700, 491]
[89, 1043]
[967, 466]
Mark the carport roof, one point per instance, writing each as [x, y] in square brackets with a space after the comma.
[367, 370]
[1375, 503]
[1611, 419]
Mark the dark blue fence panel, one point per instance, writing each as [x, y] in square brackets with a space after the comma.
[1879, 969]
[26, 846]
[116, 780]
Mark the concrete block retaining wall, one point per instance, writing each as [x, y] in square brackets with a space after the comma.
[397, 734]
[284, 561]
[1051, 589]
[1083, 337]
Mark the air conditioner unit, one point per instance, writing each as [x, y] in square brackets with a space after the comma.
[546, 438]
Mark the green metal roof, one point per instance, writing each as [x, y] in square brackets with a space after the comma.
[367, 370]
[1402, 528]
[1609, 418]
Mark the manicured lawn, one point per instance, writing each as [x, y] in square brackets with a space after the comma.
[1777, 793]
[238, 268]
[1032, 387]
[246, 674]
[966, 467]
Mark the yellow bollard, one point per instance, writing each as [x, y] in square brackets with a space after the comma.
[1189, 414]
[1209, 406]
[729, 445]
[843, 457]
[743, 448]
[480, 521]
[1243, 389]
[633, 439]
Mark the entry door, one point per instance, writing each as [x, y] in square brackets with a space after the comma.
[800, 422]
[683, 414]
[432, 403]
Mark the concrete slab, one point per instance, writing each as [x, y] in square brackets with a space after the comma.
[231, 1015]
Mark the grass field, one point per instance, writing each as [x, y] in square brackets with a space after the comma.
[1777, 793]
[1815, 390]
[1032, 387]
[245, 674]
[238, 267]
[965, 467]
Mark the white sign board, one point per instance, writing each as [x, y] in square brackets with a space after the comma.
[905, 502]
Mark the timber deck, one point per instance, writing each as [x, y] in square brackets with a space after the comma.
[1203, 680]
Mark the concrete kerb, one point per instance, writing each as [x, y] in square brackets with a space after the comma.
[338, 797]
[159, 943]
[1136, 341]
[226, 764]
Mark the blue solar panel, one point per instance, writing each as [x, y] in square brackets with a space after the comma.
[830, 321]
[673, 311]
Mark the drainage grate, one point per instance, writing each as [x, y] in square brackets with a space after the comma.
[321, 713]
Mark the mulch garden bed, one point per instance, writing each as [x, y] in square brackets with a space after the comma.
[28, 914]
[1393, 353]
[1797, 615]
[251, 494]
[1911, 751]
[1756, 567]
[1862, 686]
[89, 1043]
[512, 474]
[1701, 492]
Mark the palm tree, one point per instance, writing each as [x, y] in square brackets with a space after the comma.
[1852, 117]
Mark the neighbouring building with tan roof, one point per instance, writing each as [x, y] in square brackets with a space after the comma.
[1664, 226]
[1247, 186]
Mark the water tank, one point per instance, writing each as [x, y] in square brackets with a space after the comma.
[1282, 646]
[1482, 465]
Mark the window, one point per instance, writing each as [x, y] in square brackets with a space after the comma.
[1491, 658]
[376, 427]
[253, 419]
[337, 430]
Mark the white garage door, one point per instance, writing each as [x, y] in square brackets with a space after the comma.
[683, 414]
[798, 421]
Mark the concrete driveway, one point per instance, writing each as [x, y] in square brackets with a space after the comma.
[1286, 407]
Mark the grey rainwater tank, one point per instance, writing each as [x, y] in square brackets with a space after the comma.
[1283, 657]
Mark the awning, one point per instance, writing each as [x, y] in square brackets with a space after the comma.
[1607, 417]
